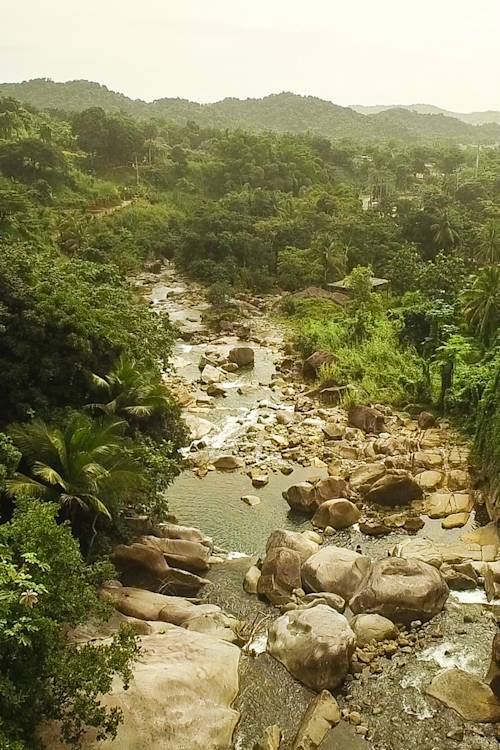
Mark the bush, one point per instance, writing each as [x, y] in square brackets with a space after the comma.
[378, 365]
[219, 294]
[45, 587]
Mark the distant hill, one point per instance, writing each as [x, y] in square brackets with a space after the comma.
[281, 112]
[471, 118]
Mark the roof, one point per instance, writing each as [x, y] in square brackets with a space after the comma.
[376, 284]
[314, 292]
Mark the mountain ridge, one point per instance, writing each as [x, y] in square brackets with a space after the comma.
[484, 117]
[283, 112]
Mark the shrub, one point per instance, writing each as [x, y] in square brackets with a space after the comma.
[45, 587]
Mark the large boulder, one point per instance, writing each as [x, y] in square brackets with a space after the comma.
[188, 533]
[460, 577]
[306, 497]
[280, 575]
[365, 475]
[493, 676]
[135, 556]
[322, 713]
[211, 374]
[395, 488]
[243, 356]
[179, 698]
[442, 504]
[292, 540]
[146, 605]
[339, 514]
[179, 552]
[365, 418]
[401, 590]
[315, 645]
[335, 570]
[492, 580]
[419, 548]
[134, 569]
[426, 420]
[368, 628]
[198, 427]
[429, 479]
[228, 463]
[301, 497]
[465, 694]
[330, 488]
[313, 363]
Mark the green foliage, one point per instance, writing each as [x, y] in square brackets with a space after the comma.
[84, 467]
[9, 459]
[482, 304]
[61, 319]
[376, 364]
[298, 269]
[487, 439]
[219, 293]
[364, 304]
[138, 395]
[44, 588]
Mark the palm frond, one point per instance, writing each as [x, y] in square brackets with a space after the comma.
[48, 474]
[21, 485]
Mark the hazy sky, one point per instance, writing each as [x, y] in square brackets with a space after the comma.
[444, 52]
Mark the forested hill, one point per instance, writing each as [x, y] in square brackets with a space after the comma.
[279, 112]
[471, 118]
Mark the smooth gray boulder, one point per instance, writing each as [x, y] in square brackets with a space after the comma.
[336, 570]
[315, 645]
[401, 590]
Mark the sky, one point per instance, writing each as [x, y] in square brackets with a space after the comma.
[443, 52]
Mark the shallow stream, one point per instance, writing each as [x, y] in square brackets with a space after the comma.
[268, 694]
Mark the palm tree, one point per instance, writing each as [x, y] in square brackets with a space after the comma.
[335, 261]
[132, 394]
[482, 304]
[445, 236]
[488, 252]
[83, 466]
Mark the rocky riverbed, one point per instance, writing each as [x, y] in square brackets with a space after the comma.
[342, 553]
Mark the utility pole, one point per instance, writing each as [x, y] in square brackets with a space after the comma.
[136, 165]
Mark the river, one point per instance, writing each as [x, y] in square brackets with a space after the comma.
[244, 423]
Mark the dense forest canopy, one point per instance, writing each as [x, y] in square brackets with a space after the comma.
[284, 112]
[88, 195]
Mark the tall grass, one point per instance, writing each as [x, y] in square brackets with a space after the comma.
[378, 366]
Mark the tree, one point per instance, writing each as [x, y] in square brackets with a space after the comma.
[445, 235]
[84, 467]
[45, 589]
[31, 159]
[74, 234]
[137, 395]
[481, 304]
[363, 304]
[488, 250]
[61, 319]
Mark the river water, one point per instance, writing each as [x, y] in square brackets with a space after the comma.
[212, 502]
